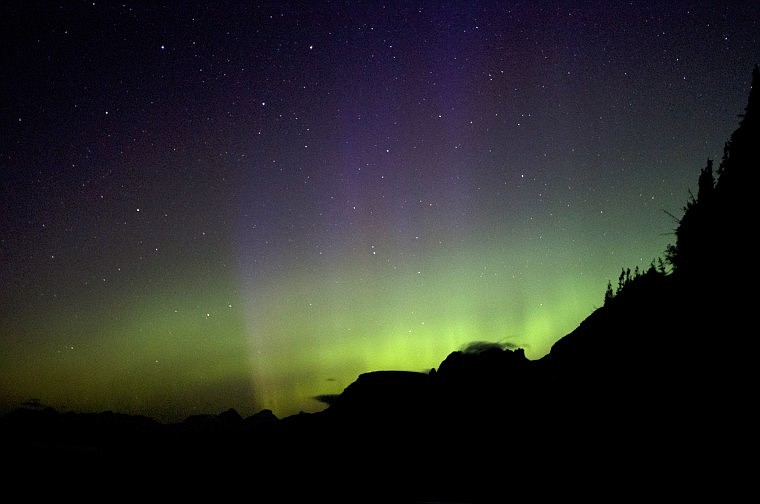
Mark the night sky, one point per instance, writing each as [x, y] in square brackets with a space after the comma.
[214, 205]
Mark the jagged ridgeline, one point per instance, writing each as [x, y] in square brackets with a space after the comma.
[714, 237]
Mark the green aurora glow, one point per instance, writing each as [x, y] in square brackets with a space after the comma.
[190, 346]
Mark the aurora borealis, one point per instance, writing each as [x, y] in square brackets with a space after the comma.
[213, 205]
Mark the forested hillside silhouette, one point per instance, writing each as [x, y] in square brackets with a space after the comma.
[650, 397]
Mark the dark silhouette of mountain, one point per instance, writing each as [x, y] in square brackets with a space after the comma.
[651, 397]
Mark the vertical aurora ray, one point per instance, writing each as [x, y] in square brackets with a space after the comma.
[312, 331]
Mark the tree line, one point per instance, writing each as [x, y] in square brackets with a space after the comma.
[712, 235]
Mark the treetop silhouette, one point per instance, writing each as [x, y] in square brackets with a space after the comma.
[712, 235]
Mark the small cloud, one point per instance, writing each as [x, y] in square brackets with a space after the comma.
[476, 347]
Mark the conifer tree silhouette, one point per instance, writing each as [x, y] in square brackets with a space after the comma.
[741, 153]
[695, 232]
[609, 295]
[712, 233]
